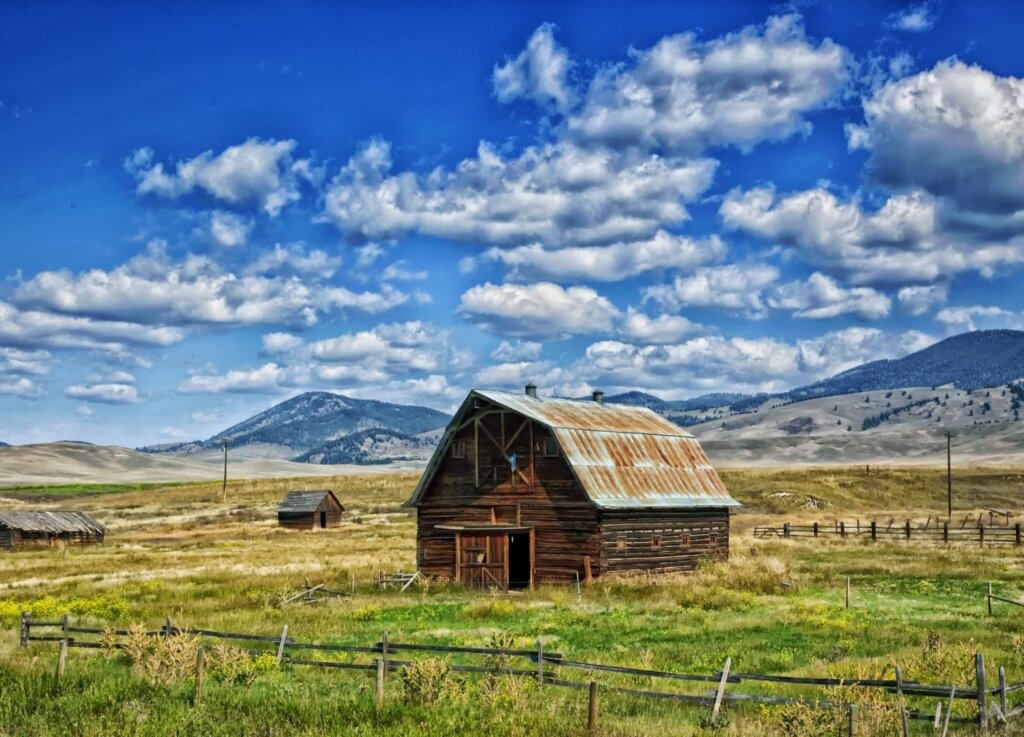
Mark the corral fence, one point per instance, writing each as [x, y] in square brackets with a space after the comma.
[554, 669]
[932, 530]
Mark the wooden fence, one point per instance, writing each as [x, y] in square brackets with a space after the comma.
[938, 531]
[554, 669]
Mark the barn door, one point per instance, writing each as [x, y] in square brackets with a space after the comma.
[483, 560]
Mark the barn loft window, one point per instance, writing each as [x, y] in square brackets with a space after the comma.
[656, 542]
[685, 538]
[550, 449]
[459, 449]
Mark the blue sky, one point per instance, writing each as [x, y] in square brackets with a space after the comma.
[205, 210]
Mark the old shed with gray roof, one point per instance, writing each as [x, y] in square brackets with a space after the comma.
[310, 510]
[28, 527]
[523, 489]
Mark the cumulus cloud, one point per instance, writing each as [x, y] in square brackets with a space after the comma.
[399, 271]
[683, 95]
[384, 351]
[153, 289]
[24, 363]
[919, 300]
[266, 379]
[34, 329]
[538, 310]
[820, 297]
[104, 393]
[293, 258]
[914, 18]
[20, 386]
[979, 317]
[641, 328]
[737, 287]
[228, 229]
[609, 263]
[280, 342]
[538, 73]
[257, 172]
[517, 350]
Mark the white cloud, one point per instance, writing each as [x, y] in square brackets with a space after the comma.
[33, 329]
[368, 254]
[609, 263]
[683, 95]
[914, 18]
[641, 328]
[20, 386]
[919, 300]
[85, 411]
[979, 317]
[280, 343]
[266, 379]
[24, 363]
[537, 310]
[293, 258]
[538, 73]
[205, 415]
[399, 271]
[228, 229]
[819, 297]
[104, 393]
[733, 287]
[255, 172]
[556, 194]
[153, 289]
[517, 350]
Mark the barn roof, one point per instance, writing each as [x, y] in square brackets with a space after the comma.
[52, 522]
[298, 502]
[622, 456]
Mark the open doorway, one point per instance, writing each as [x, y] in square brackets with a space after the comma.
[323, 520]
[519, 560]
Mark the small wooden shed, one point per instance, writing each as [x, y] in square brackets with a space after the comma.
[20, 528]
[525, 489]
[310, 510]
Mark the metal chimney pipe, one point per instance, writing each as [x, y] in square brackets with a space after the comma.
[598, 396]
[531, 390]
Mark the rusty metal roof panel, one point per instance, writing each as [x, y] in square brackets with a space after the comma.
[619, 469]
[586, 414]
[51, 522]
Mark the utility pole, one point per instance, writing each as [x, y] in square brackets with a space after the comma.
[949, 474]
[224, 488]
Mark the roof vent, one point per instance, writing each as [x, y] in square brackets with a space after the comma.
[531, 390]
[598, 396]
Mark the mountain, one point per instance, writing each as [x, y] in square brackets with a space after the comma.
[376, 446]
[308, 422]
[4, 445]
[968, 361]
[696, 404]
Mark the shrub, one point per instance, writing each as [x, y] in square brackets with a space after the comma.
[428, 681]
[367, 613]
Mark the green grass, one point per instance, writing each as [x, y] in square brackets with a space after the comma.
[778, 609]
[61, 491]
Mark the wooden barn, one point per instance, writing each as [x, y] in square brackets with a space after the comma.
[523, 489]
[310, 510]
[24, 528]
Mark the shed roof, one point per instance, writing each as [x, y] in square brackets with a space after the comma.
[622, 456]
[52, 522]
[305, 501]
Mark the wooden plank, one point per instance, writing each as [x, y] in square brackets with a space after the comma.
[721, 687]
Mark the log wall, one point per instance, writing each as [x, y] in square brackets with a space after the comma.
[662, 540]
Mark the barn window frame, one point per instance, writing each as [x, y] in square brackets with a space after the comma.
[458, 449]
[656, 542]
[549, 448]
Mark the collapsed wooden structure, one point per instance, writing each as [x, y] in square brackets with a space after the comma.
[20, 528]
[310, 510]
[523, 489]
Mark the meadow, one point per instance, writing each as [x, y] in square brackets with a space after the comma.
[777, 606]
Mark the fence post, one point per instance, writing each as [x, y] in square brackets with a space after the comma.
[62, 655]
[25, 626]
[981, 535]
[1016, 531]
[851, 725]
[815, 529]
[384, 651]
[1003, 693]
[381, 668]
[842, 529]
[197, 691]
[847, 592]
[949, 711]
[720, 694]
[907, 528]
[874, 530]
[167, 626]
[592, 709]
[785, 529]
[989, 597]
[281, 644]
[979, 669]
[540, 661]
[945, 532]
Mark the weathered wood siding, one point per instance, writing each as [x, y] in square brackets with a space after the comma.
[14, 539]
[662, 540]
[543, 495]
[311, 520]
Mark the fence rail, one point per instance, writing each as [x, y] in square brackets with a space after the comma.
[547, 668]
[940, 531]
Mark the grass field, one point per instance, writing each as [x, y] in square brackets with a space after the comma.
[775, 607]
